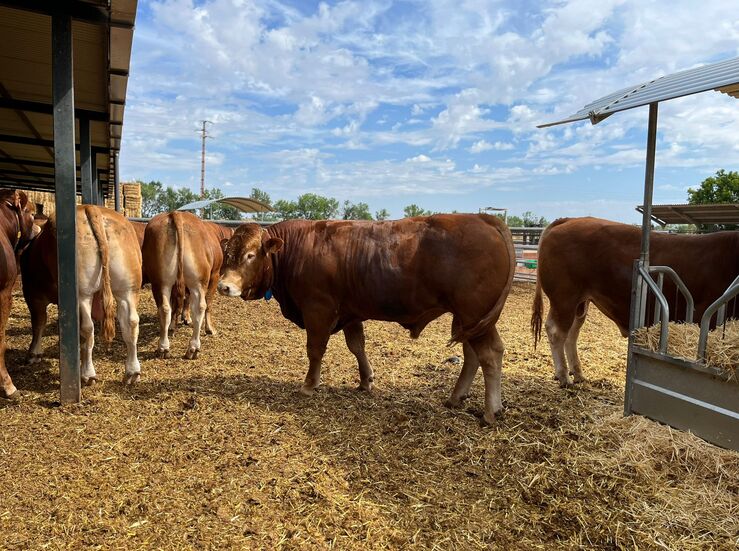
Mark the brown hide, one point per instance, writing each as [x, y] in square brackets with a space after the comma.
[139, 228]
[590, 259]
[410, 271]
[16, 217]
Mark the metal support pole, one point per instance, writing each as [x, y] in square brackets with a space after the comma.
[86, 171]
[646, 226]
[66, 215]
[116, 183]
[95, 179]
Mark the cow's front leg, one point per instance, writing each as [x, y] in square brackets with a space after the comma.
[317, 339]
[354, 335]
[162, 294]
[38, 324]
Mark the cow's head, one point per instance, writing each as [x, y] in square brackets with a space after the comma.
[18, 211]
[246, 271]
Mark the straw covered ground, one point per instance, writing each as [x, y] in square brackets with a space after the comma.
[223, 452]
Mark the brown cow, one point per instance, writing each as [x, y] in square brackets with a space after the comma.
[16, 227]
[584, 260]
[139, 228]
[181, 252]
[330, 276]
[108, 265]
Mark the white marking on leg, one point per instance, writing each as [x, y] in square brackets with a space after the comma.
[87, 340]
[128, 321]
[557, 339]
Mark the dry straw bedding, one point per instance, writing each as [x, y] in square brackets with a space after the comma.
[222, 452]
[722, 347]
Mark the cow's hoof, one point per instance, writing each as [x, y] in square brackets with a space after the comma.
[487, 420]
[88, 381]
[33, 359]
[131, 378]
[191, 354]
[564, 383]
[453, 403]
[307, 390]
[163, 353]
[15, 396]
[210, 332]
[364, 387]
[577, 378]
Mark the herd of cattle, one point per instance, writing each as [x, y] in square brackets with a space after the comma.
[331, 276]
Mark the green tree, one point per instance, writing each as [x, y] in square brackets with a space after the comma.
[721, 188]
[382, 214]
[356, 211]
[415, 210]
[530, 220]
[150, 204]
[514, 221]
[263, 197]
[309, 206]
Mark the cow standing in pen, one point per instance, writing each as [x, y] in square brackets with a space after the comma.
[330, 276]
[584, 260]
[16, 229]
[108, 266]
[182, 253]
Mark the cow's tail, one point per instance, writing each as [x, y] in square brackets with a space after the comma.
[98, 230]
[459, 334]
[537, 312]
[180, 282]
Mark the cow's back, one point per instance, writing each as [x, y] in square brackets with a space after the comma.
[592, 259]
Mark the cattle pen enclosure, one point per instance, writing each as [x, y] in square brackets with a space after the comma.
[224, 452]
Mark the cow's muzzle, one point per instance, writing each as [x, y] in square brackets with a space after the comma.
[228, 289]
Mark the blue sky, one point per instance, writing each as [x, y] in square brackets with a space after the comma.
[434, 102]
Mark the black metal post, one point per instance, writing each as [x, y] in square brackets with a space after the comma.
[66, 216]
[86, 169]
[646, 226]
[116, 183]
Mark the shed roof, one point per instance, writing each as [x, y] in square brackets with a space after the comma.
[102, 33]
[244, 204]
[722, 77]
[720, 213]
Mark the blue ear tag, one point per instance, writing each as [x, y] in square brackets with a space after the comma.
[268, 294]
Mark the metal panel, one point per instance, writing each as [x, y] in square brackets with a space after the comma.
[700, 79]
[684, 396]
[66, 212]
[86, 163]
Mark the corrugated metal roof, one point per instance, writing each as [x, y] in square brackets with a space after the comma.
[244, 204]
[719, 213]
[722, 77]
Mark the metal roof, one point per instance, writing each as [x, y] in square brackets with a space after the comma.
[722, 77]
[102, 32]
[244, 204]
[717, 213]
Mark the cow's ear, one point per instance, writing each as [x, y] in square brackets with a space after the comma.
[23, 199]
[273, 244]
[17, 199]
[224, 242]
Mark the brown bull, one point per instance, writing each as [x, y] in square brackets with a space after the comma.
[584, 260]
[330, 276]
[139, 228]
[182, 254]
[16, 227]
[108, 265]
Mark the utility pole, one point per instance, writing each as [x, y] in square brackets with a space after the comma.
[203, 134]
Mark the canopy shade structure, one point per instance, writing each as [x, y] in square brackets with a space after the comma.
[244, 204]
[102, 35]
[726, 213]
[722, 77]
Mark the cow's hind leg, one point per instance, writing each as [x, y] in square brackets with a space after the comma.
[212, 286]
[466, 376]
[87, 341]
[162, 294]
[558, 327]
[128, 321]
[6, 383]
[38, 324]
[197, 309]
[489, 349]
[354, 335]
[573, 359]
